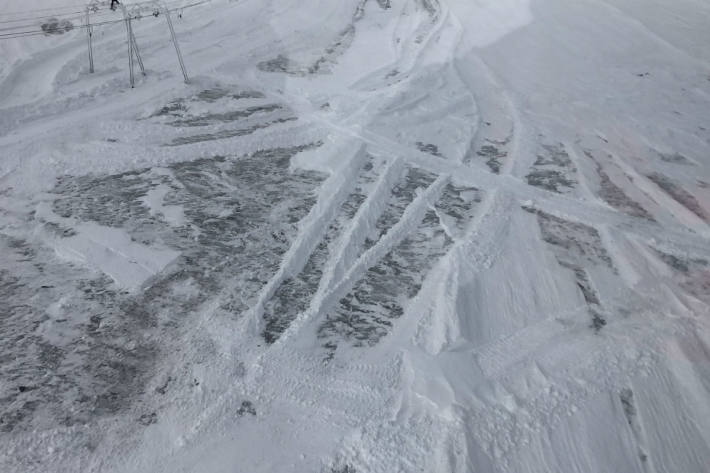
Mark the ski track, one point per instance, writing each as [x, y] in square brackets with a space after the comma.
[303, 261]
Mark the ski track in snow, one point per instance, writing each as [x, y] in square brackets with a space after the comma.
[369, 236]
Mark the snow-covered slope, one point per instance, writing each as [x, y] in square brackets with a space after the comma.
[367, 236]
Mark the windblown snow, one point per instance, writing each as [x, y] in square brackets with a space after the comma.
[368, 236]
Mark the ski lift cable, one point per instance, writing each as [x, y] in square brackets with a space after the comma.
[43, 10]
[79, 15]
[148, 3]
[59, 15]
[65, 16]
[75, 15]
[49, 11]
[75, 8]
[36, 32]
[173, 5]
[103, 10]
[22, 34]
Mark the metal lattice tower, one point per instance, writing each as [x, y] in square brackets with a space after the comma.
[130, 13]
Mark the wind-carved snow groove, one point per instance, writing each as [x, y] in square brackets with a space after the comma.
[553, 170]
[626, 397]
[495, 131]
[693, 273]
[402, 195]
[369, 309]
[215, 108]
[575, 247]
[680, 195]
[348, 261]
[615, 196]
[675, 158]
[226, 117]
[427, 29]
[433, 9]
[294, 294]
[178, 112]
[581, 243]
[226, 134]
[350, 247]
[456, 208]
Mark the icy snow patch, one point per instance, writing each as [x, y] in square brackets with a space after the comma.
[109, 250]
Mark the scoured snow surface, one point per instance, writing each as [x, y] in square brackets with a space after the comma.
[368, 236]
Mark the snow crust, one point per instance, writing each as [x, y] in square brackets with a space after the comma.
[368, 236]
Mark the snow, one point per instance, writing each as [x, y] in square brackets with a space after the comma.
[174, 214]
[368, 236]
[110, 250]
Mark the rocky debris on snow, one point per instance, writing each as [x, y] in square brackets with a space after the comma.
[693, 273]
[429, 149]
[148, 419]
[574, 242]
[618, 199]
[162, 389]
[55, 26]
[246, 408]
[680, 195]
[675, 158]
[494, 152]
[615, 195]
[577, 246]
[553, 169]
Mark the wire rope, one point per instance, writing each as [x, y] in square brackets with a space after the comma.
[23, 34]
[76, 8]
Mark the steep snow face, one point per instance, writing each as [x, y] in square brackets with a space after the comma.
[367, 236]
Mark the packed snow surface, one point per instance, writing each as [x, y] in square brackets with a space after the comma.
[367, 236]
